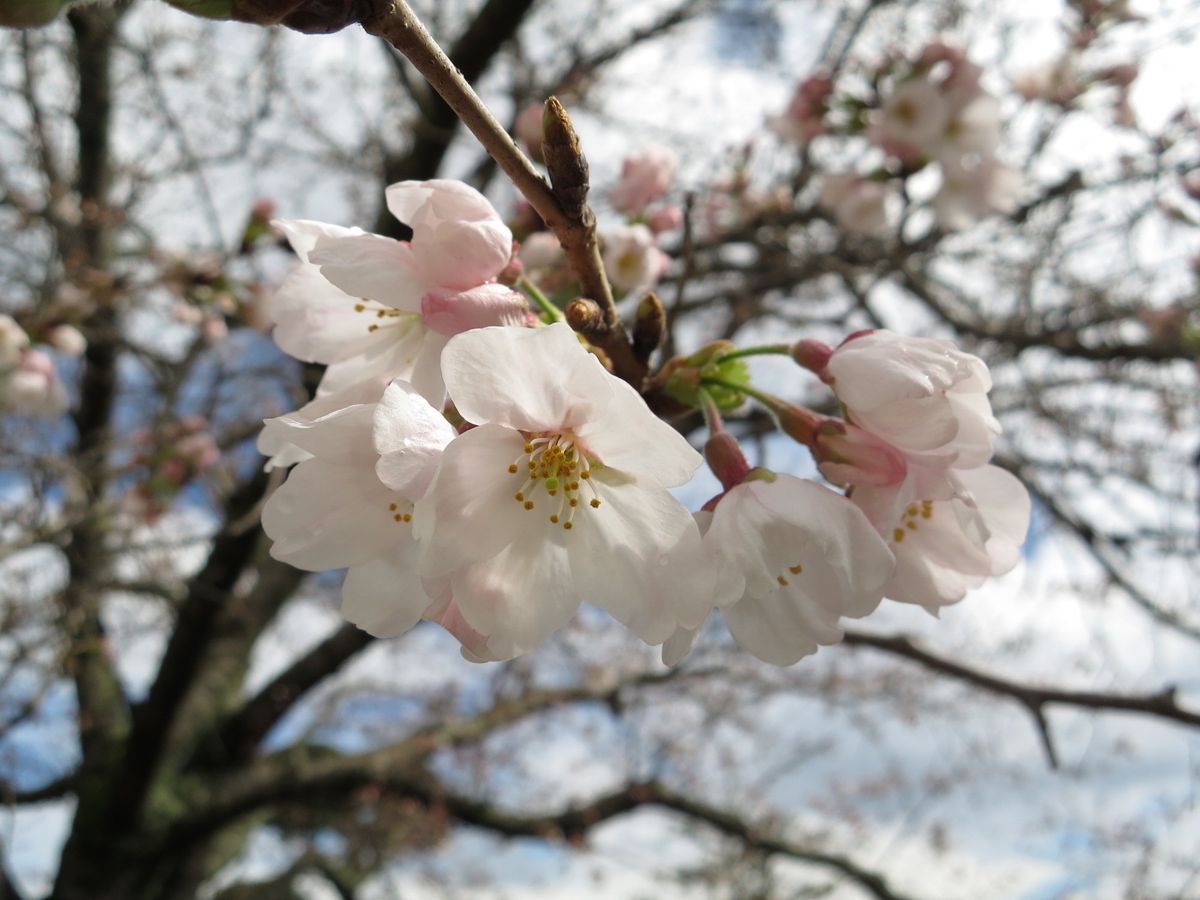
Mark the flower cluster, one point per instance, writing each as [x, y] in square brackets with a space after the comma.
[171, 456]
[29, 382]
[473, 465]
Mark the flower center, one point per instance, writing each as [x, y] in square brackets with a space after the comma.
[782, 578]
[384, 316]
[558, 467]
[908, 522]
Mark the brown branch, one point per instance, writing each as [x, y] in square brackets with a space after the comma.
[401, 28]
[1162, 705]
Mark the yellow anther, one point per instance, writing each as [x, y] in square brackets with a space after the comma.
[568, 526]
[796, 569]
[782, 581]
[528, 448]
[519, 495]
[398, 517]
[408, 517]
[573, 503]
[512, 469]
[529, 504]
[911, 526]
[595, 503]
[585, 474]
[911, 511]
[358, 307]
[372, 328]
[554, 519]
[927, 513]
[392, 507]
[898, 535]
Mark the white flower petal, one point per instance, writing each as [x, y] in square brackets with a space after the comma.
[627, 436]
[409, 436]
[519, 597]
[393, 355]
[384, 596]
[328, 516]
[372, 267]
[530, 379]
[638, 555]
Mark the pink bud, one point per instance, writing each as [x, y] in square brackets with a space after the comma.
[726, 459]
[847, 454]
[67, 339]
[813, 355]
[666, 219]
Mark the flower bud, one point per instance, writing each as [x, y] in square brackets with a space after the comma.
[67, 340]
[726, 459]
[847, 454]
[564, 159]
[813, 355]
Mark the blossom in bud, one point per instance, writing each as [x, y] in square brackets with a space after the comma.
[793, 558]
[803, 119]
[666, 219]
[528, 128]
[359, 302]
[541, 250]
[559, 494]
[925, 397]
[632, 259]
[32, 388]
[724, 456]
[1056, 82]
[645, 177]
[13, 342]
[970, 194]
[859, 206]
[847, 454]
[944, 548]
[67, 340]
[349, 502]
[813, 355]
[911, 120]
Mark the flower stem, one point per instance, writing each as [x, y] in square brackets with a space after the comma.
[766, 350]
[712, 415]
[761, 396]
[531, 290]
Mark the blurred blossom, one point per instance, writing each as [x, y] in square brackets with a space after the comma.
[632, 258]
[858, 205]
[645, 177]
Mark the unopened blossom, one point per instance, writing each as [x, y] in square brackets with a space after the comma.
[13, 342]
[541, 250]
[528, 128]
[944, 548]
[1057, 82]
[793, 558]
[969, 194]
[336, 511]
[32, 387]
[912, 119]
[559, 494]
[858, 205]
[373, 307]
[666, 218]
[923, 396]
[632, 259]
[646, 176]
[803, 119]
[67, 340]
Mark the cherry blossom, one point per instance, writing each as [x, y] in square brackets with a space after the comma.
[632, 259]
[645, 177]
[944, 548]
[337, 511]
[558, 494]
[803, 119]
[968, 194]
[13, 342]
[67, 340]
[858, 205]
[911, 120]
[924, 396]
[793, 558]
[372, 307]
[32, 387]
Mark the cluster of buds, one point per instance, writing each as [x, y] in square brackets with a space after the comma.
[170, 458]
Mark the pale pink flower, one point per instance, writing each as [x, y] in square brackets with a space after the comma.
[199, 450]
[944, 548]
[32, 388]
[858, 205]
[632, 259]
[67, 340]
[923, 396]
[358, 301]
[973, 129]
[1057, 82]
[912, 119]
[793, 558]
[13, 342]
[645, 177]
[969, 194]
[528, 128]
[668, 218]
[349, 502]
[803, 119]
[541, 250]
[559, 494]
